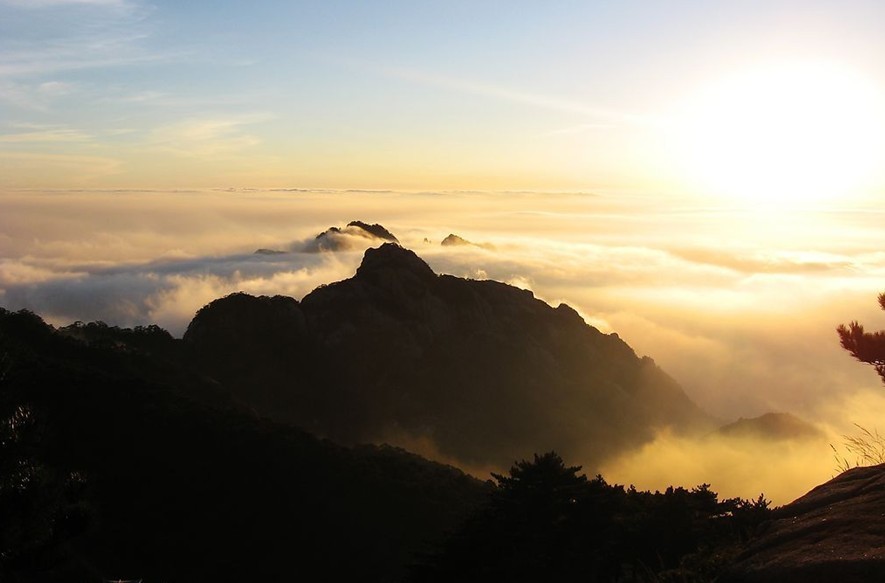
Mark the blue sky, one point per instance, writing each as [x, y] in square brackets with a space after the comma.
[564, 95]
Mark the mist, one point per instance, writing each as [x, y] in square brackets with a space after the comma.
[738, 306]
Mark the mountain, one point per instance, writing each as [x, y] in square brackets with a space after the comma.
[772, 426]
[453, 240]
[473, 371]
[832, 534]
[119, 461]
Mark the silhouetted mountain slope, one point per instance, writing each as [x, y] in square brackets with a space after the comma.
[777, 426]
[481, 370]
[112, 464]
[833, 534]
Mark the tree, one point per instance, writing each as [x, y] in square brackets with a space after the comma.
[544, 521]
[867, 347]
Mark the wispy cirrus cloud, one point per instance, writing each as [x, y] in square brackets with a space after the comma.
[92, 34]
[77, 54]
[603, 115]
[210, 138]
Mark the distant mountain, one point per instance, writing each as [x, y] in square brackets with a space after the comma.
[474, 371]
[453, 240]
[772, 426]
[355, 235]
[832, 534]
[117, 461]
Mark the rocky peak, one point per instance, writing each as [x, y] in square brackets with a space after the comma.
[355, 235]
[390, 258]
[454, 239]
[376, 230]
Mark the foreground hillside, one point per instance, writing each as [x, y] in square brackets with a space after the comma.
[117, 462]
[835, 533]
[475, 371]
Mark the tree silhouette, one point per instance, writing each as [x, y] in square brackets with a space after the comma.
[543, 522]
[546, 522]
[867, 347]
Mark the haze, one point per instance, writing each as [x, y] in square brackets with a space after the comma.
[704, 179]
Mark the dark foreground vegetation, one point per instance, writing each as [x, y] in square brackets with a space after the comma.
[546, 522]
[120, 465]
[120, 460]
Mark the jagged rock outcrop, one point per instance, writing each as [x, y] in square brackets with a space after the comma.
[833, 534]
[355, 235]
[478, 371]
[376, 230]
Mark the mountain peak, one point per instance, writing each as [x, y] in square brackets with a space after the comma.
[391, 257]
[376, 230]
[476, 371]
[355, 235]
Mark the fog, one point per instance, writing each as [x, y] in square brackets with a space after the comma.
[739, 305]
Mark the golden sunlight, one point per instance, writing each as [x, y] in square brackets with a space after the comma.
[782, 135]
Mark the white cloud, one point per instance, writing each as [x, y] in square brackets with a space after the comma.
[548, 102]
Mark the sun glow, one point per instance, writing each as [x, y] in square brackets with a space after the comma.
[785, 135]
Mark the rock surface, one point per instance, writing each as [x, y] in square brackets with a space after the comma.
[835, 533]
[355, 235]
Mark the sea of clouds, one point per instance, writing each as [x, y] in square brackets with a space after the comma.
[738, 305]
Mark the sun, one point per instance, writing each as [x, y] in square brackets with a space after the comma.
[783, 135]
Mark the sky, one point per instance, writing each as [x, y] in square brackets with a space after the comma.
[425, 95]
[706, 179]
